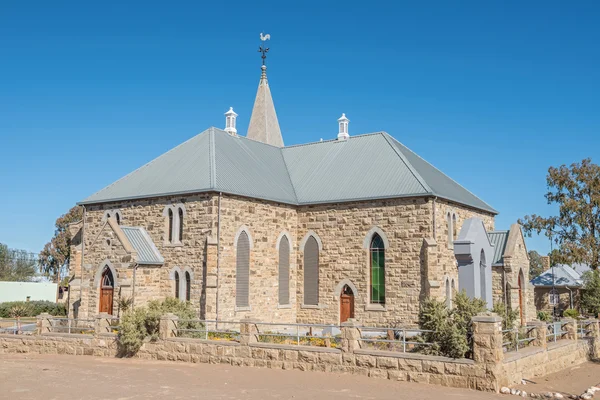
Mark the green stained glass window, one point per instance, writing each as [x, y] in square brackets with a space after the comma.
[377, 251]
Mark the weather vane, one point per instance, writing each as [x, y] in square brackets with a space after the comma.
[264, 49]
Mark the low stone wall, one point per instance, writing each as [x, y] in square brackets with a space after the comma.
[489, 370]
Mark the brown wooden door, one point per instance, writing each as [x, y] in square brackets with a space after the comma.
[106, 300]
[346, 304]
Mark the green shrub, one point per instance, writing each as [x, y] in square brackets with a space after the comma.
[509, 317]
[544, 316]
[451, 330]
[34, 308]
[571, 313]
[133, 331]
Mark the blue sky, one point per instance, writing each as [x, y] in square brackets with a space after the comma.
[492, 93]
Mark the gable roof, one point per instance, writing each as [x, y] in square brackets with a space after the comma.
[363, 167]
[499, 240]
[140, 240]
[563, 276]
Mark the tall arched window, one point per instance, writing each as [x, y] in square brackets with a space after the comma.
[180, 211]
[450, 230]
[311, 272]
[482, 277]
[377, 250]
[170, 226]
[118, 218]
[188, 286]
[284, 271]
[176, 284]
[242, 271]
[454, 228]
[448, 294]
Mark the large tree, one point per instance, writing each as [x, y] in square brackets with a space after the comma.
[16, 265]
[536, 265]
[575, 189]
[57, 252]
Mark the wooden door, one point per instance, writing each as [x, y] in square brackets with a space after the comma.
[346, 304]
[106, 300]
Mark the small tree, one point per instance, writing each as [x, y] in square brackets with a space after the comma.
[16, 265]
[590, 298]
[536, 266]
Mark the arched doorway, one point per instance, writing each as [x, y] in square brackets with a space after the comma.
[107, 285]
[521, 297]
[346, 304]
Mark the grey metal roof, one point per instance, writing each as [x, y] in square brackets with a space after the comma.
[563, 275]
[143, 244]
[363, 167]
[498, 239]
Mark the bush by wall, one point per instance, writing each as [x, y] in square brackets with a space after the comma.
[33, 308]
[571, 313]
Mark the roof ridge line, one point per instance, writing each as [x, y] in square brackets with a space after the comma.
[331, 140]
[417, 176]
[287, 170]
[447, 176]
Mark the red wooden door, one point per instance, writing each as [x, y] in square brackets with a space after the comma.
[106, 300]
[346, 304]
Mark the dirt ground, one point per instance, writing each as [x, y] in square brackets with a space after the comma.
[46, 377]
[575, 380]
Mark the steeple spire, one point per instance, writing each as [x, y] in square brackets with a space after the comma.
[264, 126]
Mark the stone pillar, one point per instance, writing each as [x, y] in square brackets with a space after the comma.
[350, 336]
[248, 331]
[168, 326]
[434, 276]
[593, 331]
[487, 338]
[102, 324]
[43, 323]
[570, 326]
[539, 334]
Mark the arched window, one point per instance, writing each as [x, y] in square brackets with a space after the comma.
[482, 277]
[284, 271]
[176, 284]
[107, 278]
[377, 250]
[450, 231]
[311, 272]
[448, 294]
[180, 211]
[454, 228]
[242, 271]
[188, 286]
[118, 218]
[170, 226]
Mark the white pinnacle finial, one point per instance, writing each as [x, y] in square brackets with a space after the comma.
[230, 117]
[343, 132]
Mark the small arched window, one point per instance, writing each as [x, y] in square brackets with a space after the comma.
[311, 271]
[284, 271]
[180, 211]
[450, 231]
[118, 218]
[176, 284]
[170, 226]
[454, 228]
[188, 286]
[377, 250]
[242, 271]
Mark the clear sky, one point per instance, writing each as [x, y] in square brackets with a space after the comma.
[490, 92]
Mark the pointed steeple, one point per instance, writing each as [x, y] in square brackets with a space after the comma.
[264, 126]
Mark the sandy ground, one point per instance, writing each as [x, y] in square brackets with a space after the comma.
[575, 380]
[48, 377]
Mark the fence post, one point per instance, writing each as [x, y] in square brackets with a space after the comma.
[102, 324]
[350, 336]
[594, 333]
[248, 331]
[167, 327]
[540, 328]
[487, 350]
[43, 323]
[570, 327]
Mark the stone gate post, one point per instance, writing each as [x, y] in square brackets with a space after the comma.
[487, 350]
[43, 323]
[570, 326]
[102, 324]
[593, 329]
[539, 334]
[248, 331]
[350, 336]
[167, 327]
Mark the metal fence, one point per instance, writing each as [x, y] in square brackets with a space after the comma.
[517, 338]
[71, 325]
[394, 339]
[21, 326]
[583, 328]
[208, 329]
[318, 335]
[554, 331]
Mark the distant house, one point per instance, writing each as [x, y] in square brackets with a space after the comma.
[558, 288]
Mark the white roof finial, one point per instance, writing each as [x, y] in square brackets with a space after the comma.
[230, 117]
[343, 131]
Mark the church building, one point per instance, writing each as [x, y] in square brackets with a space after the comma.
[240, 225]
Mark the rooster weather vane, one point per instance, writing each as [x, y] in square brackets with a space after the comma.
[264, 49]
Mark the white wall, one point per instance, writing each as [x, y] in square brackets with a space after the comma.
[18, 291]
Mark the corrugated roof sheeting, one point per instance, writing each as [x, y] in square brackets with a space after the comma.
[362, 167]
[143, 244]
[499, 240]
[560, 275]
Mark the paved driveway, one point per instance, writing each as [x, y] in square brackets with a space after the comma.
[29, 376]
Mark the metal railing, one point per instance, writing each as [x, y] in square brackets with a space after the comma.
[317, 335]
[113, 325]
[71, 325]
[517, 338]
[584, 330]
[554, 331]
[20, 326]
[393, 339]
[208, 329]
